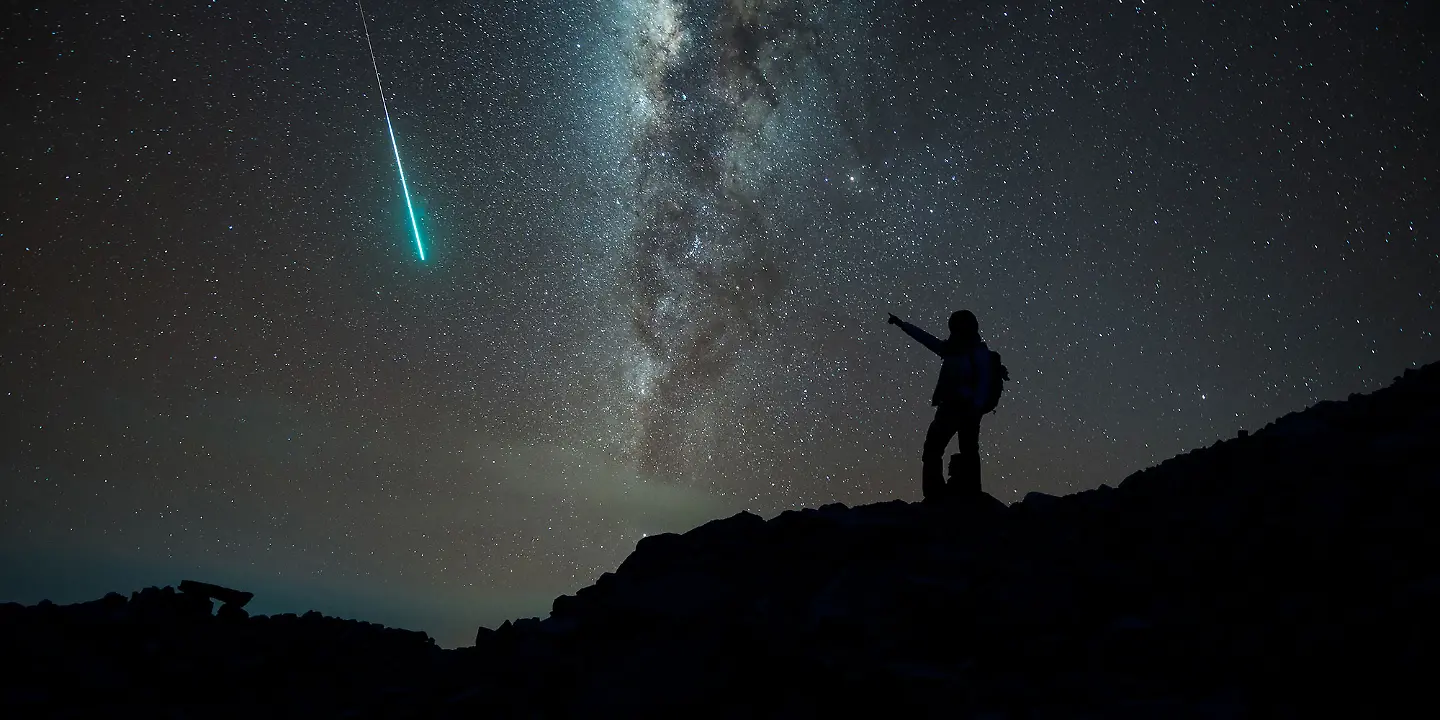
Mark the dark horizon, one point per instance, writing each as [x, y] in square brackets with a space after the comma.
[663, 240]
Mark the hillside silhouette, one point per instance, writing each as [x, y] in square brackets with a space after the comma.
[1278, 573]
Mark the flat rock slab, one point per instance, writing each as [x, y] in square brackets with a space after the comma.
[233, 598]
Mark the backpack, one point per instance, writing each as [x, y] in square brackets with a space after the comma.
[998, 375]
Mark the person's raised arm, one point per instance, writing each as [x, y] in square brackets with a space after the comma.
[924, 338]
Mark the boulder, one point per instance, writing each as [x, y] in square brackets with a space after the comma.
[237, 598]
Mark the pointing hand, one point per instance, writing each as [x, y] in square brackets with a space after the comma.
[893, 320]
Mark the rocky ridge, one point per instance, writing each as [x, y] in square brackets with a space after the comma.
[1275, 574]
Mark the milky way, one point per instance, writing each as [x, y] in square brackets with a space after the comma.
[707, 264]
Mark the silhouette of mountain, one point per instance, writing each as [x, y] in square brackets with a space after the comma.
[1275, 574]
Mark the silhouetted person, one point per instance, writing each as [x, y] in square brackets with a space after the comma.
[960, 401]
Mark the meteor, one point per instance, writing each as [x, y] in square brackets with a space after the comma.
[419, 246]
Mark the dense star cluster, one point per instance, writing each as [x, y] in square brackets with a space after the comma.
[662, 240]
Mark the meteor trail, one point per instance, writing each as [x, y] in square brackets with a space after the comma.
[386, 107]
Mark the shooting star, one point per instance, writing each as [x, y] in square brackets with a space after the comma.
[419, 246]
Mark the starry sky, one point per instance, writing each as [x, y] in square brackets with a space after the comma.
[663, 237]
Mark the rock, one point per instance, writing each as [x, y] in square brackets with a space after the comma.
[566, 605]
[985, 503]
[231, 612]
[225, 595]
[1039, 501]
[195, 603]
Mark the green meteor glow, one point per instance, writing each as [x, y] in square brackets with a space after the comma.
[409, 207]
[419, 247]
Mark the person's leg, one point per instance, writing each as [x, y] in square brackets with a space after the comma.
[957, 473]
[932, 459]
[965, 478]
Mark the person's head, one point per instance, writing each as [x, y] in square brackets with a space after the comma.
[964, 325]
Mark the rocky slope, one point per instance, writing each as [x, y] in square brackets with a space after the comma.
[1276, 574]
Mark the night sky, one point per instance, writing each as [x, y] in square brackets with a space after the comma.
[662, 239]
